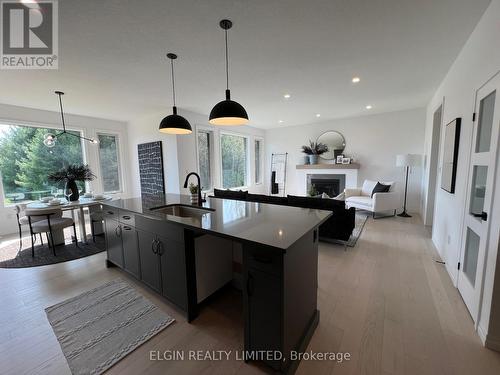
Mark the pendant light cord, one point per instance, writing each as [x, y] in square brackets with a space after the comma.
[173, 80]
[227, 63]
[62, 113]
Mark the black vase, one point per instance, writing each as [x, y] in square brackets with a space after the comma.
[71, 185]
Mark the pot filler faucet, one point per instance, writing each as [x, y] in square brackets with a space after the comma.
[200, 200]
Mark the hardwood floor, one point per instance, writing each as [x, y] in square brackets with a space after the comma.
[386, 302]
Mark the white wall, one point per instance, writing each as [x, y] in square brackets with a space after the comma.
[478, 61]
[89, 126]
[374, 141]
[180, 153]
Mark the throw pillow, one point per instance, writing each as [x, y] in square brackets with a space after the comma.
[380, 188]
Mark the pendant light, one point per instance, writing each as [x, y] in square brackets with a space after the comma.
[228, 112]
[174, 124]
[50, 139]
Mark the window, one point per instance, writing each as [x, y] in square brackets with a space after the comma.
[204, 140]
[25, 162]
[234, 151]
[108, 161]
[258, 161]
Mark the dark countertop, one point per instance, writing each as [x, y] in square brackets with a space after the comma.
[268, 224]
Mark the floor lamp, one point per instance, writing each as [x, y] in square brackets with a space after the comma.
[407, 161]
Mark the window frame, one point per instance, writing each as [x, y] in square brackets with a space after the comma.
[36, 124]
[119, 158]
[211, 151]
[248, 164]
[261, 161]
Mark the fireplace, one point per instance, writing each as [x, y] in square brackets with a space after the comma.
[331, 184]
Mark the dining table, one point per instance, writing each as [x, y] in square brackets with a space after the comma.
[65, 205]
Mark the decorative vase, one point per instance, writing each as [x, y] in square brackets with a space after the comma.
[305, 160]
[71, 185]
[313, 159]
[194, 198]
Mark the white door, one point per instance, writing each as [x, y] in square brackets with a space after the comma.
[479, 194]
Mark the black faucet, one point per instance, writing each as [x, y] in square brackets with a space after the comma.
[200, 200]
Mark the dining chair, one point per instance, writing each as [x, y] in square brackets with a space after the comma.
[45, 221]
[22, 219]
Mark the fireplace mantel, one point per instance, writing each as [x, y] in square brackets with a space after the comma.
[328, 166]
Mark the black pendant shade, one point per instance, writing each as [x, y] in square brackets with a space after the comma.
[228, 112]
[174, 123]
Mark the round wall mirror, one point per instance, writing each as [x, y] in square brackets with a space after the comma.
[335, 142]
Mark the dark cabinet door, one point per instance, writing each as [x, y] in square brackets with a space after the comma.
[130, 250]
[263, 315]
[173, 271]
[114, 241]
[149, 259]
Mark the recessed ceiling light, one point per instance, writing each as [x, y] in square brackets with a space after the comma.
[368, 106]
[280, 121]
[318, 114]
[287, 96]
[355, 79]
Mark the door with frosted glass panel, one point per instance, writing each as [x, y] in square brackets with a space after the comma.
[482, 166]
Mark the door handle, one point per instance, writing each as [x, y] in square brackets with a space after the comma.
[483, 215]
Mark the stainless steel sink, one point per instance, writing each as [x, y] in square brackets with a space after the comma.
[184, 211]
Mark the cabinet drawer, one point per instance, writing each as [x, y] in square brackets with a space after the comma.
[165, 229]
[111, 212]
[264, 260]
[127, 218]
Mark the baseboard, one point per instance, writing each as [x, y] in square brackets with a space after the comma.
[492, 343]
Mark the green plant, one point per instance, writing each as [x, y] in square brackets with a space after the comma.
[315, 148]
[72, 172]
[193, 189]
[312, 192]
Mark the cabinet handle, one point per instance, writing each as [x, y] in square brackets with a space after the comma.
[126, 217]
[262, 259]
[159, 247]
[249, 284]
[118, 231]
[110, 212]
[126, 227]
[153, 247]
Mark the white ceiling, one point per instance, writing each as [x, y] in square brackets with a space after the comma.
[112, 56]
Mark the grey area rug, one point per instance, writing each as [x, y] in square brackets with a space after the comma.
[10, 258]
[360, 221]
[98, 328]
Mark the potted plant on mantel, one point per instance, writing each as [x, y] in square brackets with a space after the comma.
[314, 150]
[69, 175]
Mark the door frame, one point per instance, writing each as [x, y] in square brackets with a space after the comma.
[475, 310]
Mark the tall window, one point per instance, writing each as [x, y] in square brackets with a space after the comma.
[204, 140]
[234, 151]
[258, 161]
[109, 162]
[25, 162]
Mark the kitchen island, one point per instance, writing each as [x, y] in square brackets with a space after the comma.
[185, 253]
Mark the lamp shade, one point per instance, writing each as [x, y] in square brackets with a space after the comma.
[408, 160]
[228, 113]
[175, 124]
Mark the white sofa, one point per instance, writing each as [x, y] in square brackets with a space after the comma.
[380, 202]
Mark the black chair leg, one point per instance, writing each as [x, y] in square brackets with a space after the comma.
[20, 238]
[92, 229]
[53, 244]
[76, 238]
[32, 247]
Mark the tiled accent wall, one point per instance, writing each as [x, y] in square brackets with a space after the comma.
[151, 168]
